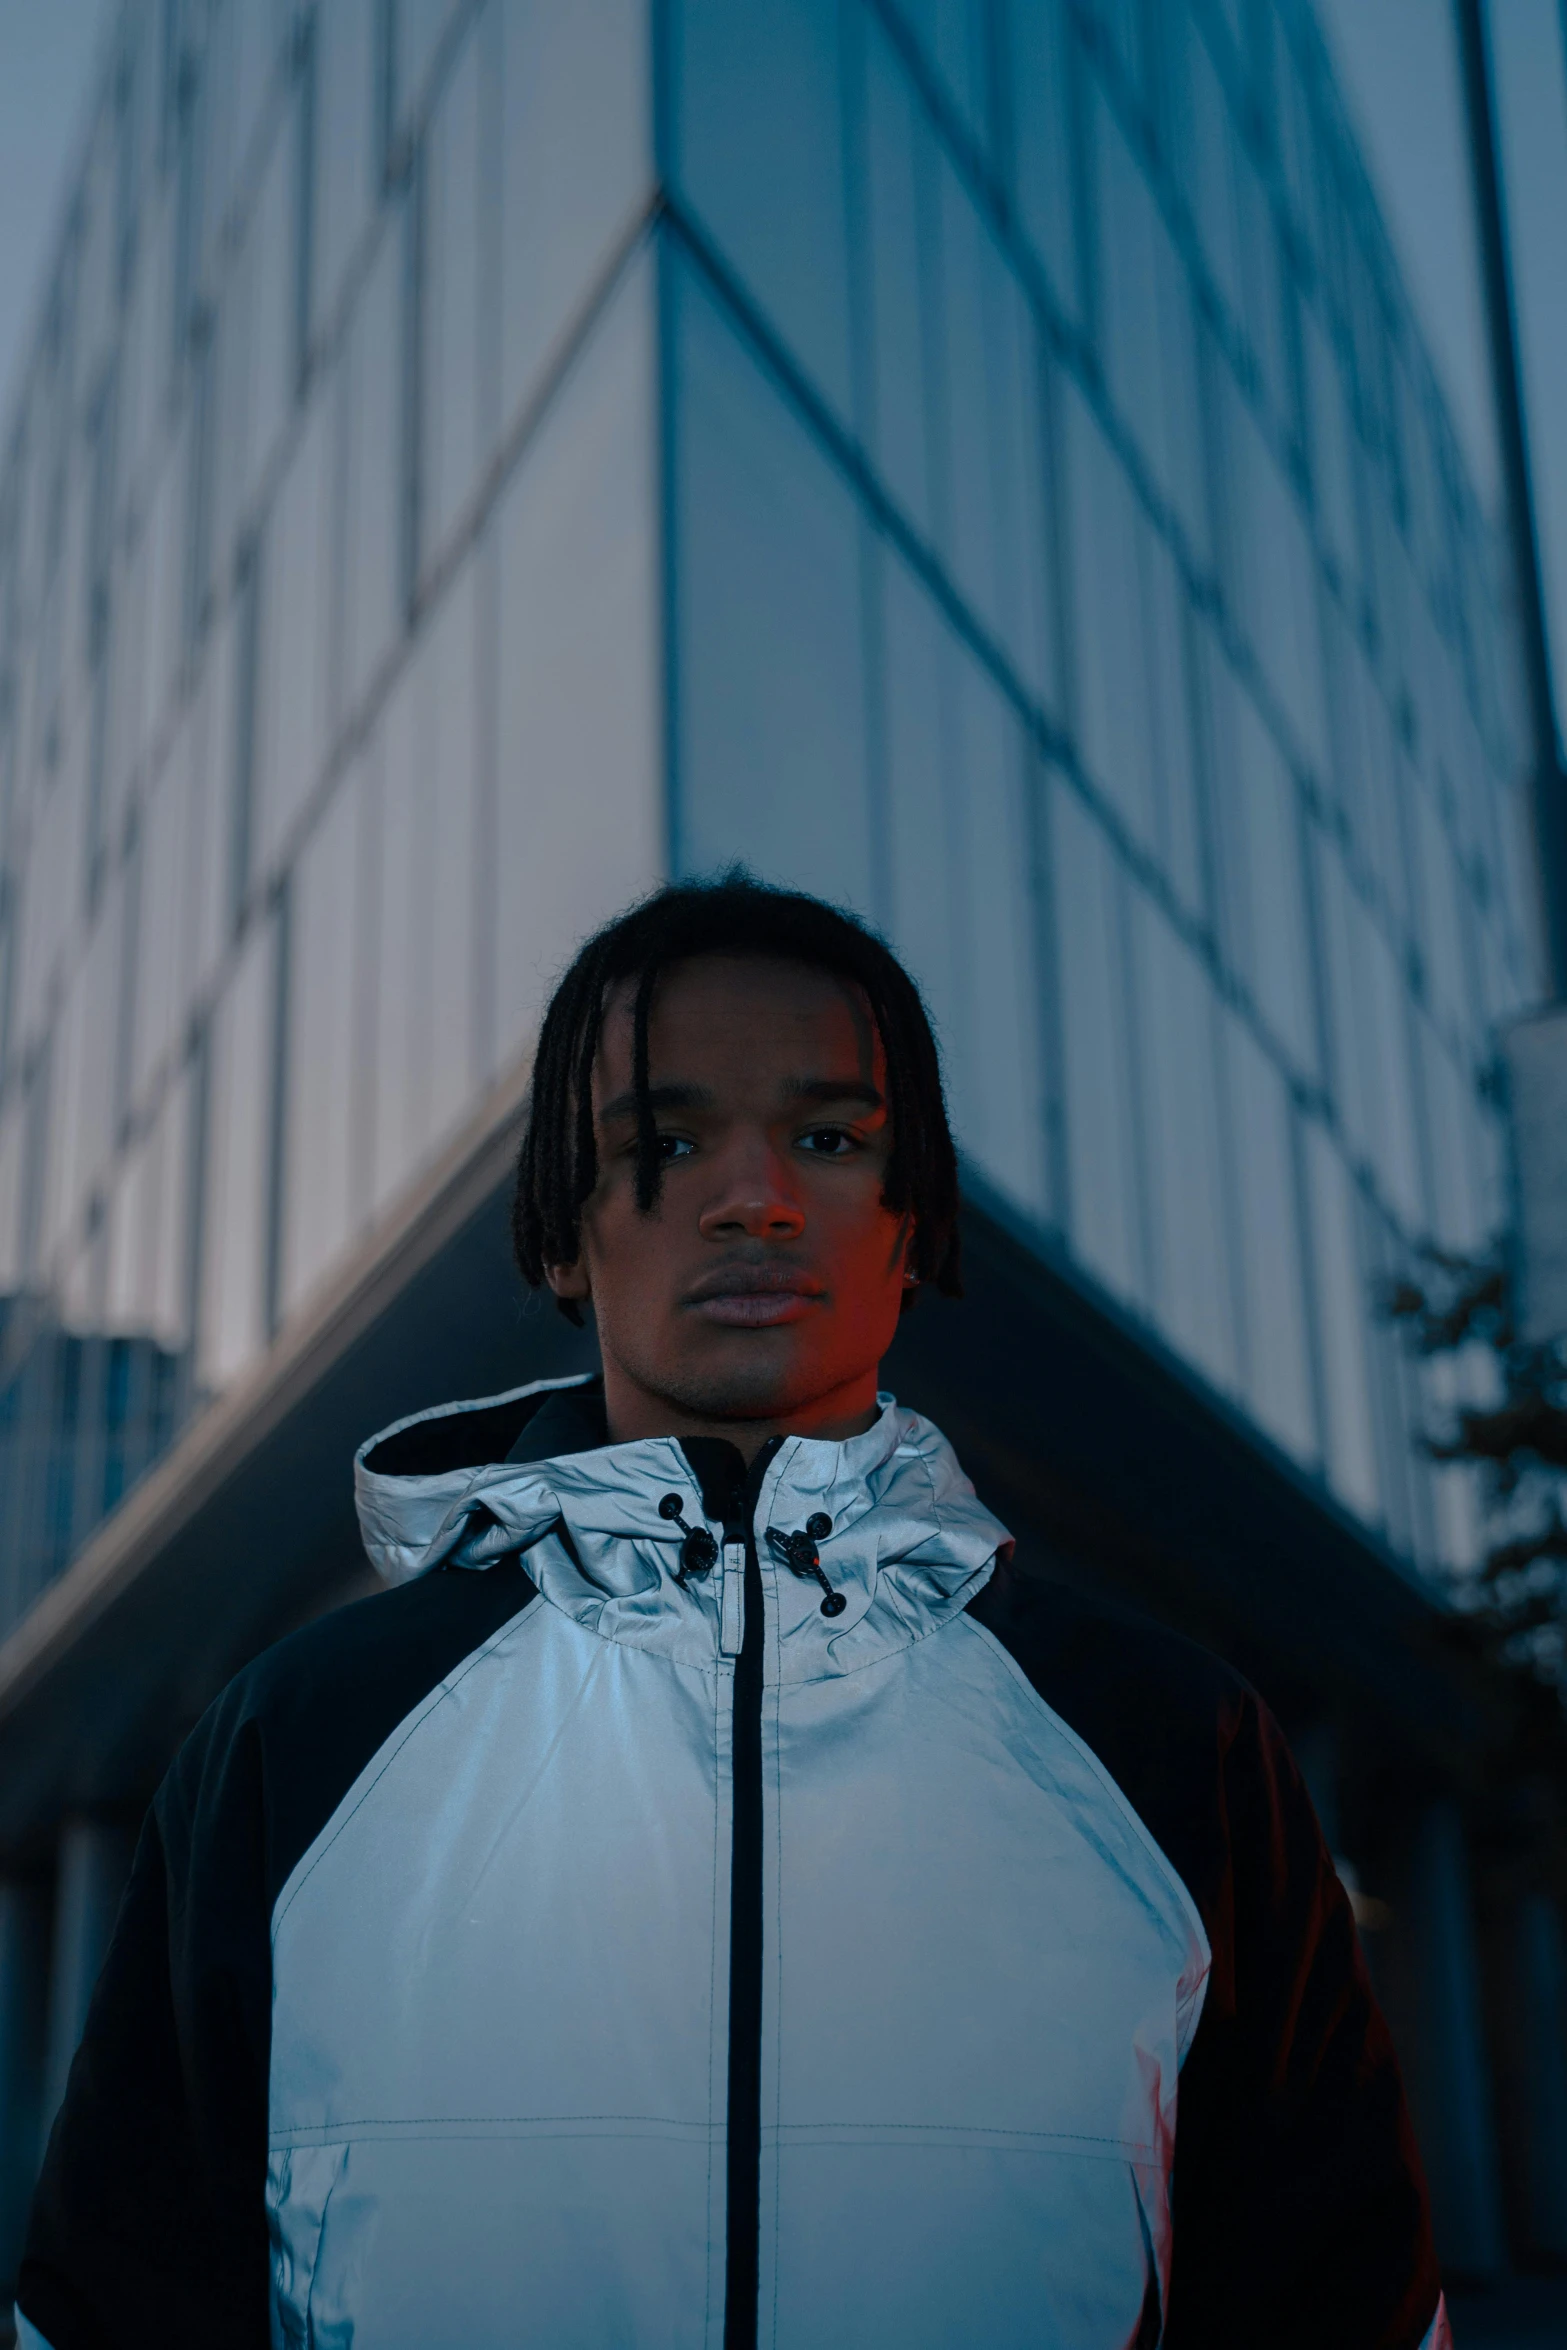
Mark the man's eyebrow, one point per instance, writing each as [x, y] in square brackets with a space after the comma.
[659, 1097]
[701, 1097]
[835, 1089]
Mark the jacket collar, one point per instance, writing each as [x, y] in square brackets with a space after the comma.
[910, 1542]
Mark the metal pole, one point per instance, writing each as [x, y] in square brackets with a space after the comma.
[1548, 783]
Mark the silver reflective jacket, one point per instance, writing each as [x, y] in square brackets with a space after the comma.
[505, 1968]
[702, 1907]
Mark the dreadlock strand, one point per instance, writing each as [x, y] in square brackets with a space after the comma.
[649, 1169]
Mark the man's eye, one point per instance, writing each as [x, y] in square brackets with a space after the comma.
[674, 1146]
[828, 1142]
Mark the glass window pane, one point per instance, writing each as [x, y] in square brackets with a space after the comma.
[901, 232]
[772, 754]
[427, 1051]
[232, 1320]
[955, 38]
[1044, 69]
[1451, 1113]
[1128, 301]
[1331, 459]
[1341, 1295]
[51, 905]
[1264, 279]
[1182, 463]
[456, 305]
[1176, 1038]
[59, 1196]
[1271, 582]
[417, 29]
[579, 734]
[325, 1065]
[993, 1058]
[230, 364]
[161, 913]
[220, 159]
[916, 655]
[994, 527]
[274, 341]
[960, 780]
[1182, 846]
[760, 111]
[1277, 1359]
[293, 700]
[258, 37]
[148, 1265]
[371, 390]
[1106, 530]
[1211, 160]
[1442, 931]
[1353, 1074]
[163, 640]
[99, 989]
[1387, 1013]
[145, 374]
[576, 167]
[1262, 844]
[210, 847]
[347, 165]
[1090, 958]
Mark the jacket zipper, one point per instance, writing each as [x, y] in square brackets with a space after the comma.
[744, 2174]
[730, 1494]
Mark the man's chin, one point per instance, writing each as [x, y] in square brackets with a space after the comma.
[739, 1373]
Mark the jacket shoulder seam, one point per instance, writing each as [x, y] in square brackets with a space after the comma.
[1125, 1807]
[388, 1751]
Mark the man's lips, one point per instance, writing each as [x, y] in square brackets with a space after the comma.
[752, 1297]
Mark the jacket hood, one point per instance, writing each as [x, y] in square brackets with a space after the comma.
[910, 1541]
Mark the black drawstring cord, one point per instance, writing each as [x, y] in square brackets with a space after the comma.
[799, 1553]
[698, 1552]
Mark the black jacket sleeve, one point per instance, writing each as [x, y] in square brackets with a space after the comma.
[1299, 2205]
[149, 2223]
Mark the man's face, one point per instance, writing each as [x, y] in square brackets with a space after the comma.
[764, 1288]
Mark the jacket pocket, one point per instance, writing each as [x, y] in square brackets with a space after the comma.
[301, 2181]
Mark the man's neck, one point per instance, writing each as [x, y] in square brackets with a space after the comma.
[634, 1413]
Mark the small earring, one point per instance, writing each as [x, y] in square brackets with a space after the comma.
[910, 1278]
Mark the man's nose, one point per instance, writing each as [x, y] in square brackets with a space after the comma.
[754, 1197]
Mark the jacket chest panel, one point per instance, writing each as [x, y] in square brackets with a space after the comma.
[516, 1919]
[968, 1936]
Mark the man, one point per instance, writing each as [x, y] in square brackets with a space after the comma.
[712, 1899]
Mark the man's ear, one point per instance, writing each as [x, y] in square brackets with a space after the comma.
[570, 1281]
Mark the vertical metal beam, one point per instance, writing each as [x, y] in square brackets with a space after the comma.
[1548, 782]
[1450, 2080]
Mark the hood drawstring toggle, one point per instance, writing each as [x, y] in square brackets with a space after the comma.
[698, 1552]
[799, 1554]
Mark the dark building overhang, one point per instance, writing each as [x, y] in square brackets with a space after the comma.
[1104, 1456]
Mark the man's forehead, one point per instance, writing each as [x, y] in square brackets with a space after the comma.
[762, 1000]
[754, 1025]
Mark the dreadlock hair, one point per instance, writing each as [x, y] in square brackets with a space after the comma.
[734, 914]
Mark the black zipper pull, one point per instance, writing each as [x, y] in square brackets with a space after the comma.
[800, 1555]
[698, 1552]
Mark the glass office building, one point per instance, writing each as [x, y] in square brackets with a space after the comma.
[972, 458]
